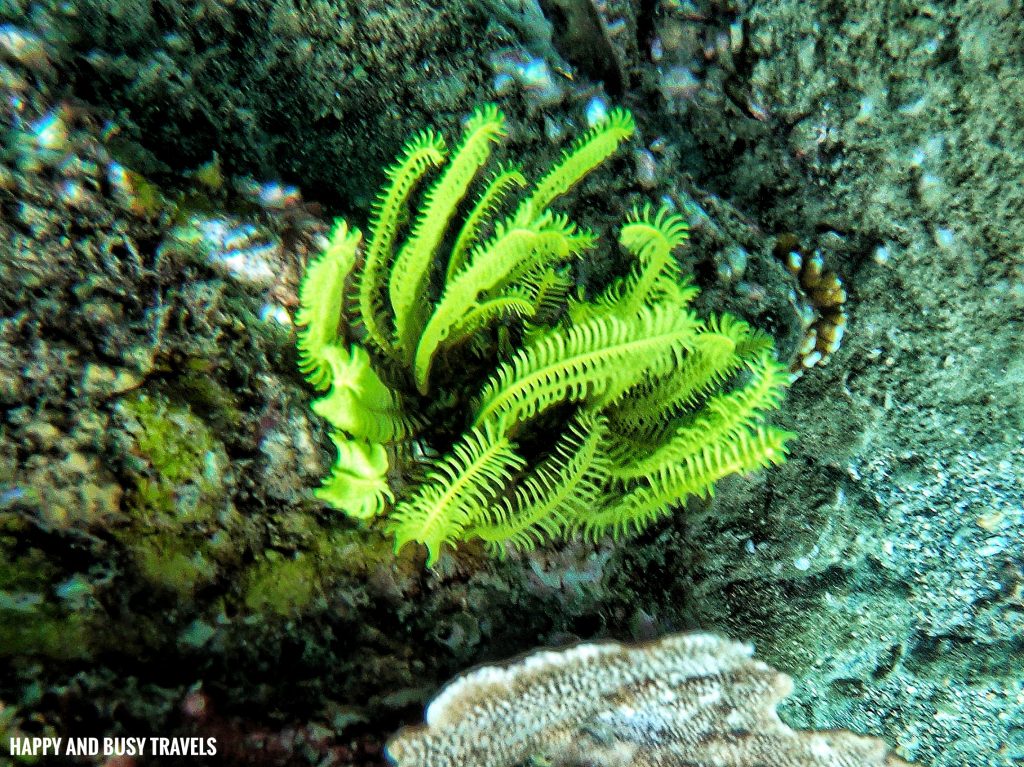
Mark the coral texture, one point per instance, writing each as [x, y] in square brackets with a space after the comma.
[688, 700]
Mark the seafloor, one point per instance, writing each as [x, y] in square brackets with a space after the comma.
[164, 568]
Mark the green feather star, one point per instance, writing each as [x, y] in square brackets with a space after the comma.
[581, 417]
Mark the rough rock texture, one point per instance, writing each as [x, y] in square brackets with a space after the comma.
[156, 446]
[883, 563]
[276, 90]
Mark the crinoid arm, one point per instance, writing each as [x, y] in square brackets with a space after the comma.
[424, 151]
[414, 261]
[585, 361]
[358, 483]
[588, 152]
[456, 492]
[321, 301]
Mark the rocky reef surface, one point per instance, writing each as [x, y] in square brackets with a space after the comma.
[168, 168]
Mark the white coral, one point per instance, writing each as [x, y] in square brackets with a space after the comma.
[688, 699]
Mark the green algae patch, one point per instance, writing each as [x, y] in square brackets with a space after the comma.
[182, 479]
[181, 515]
[172, 564]
[284, 586]
[31, 622]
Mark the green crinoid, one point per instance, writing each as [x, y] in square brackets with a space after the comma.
[552, 415]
